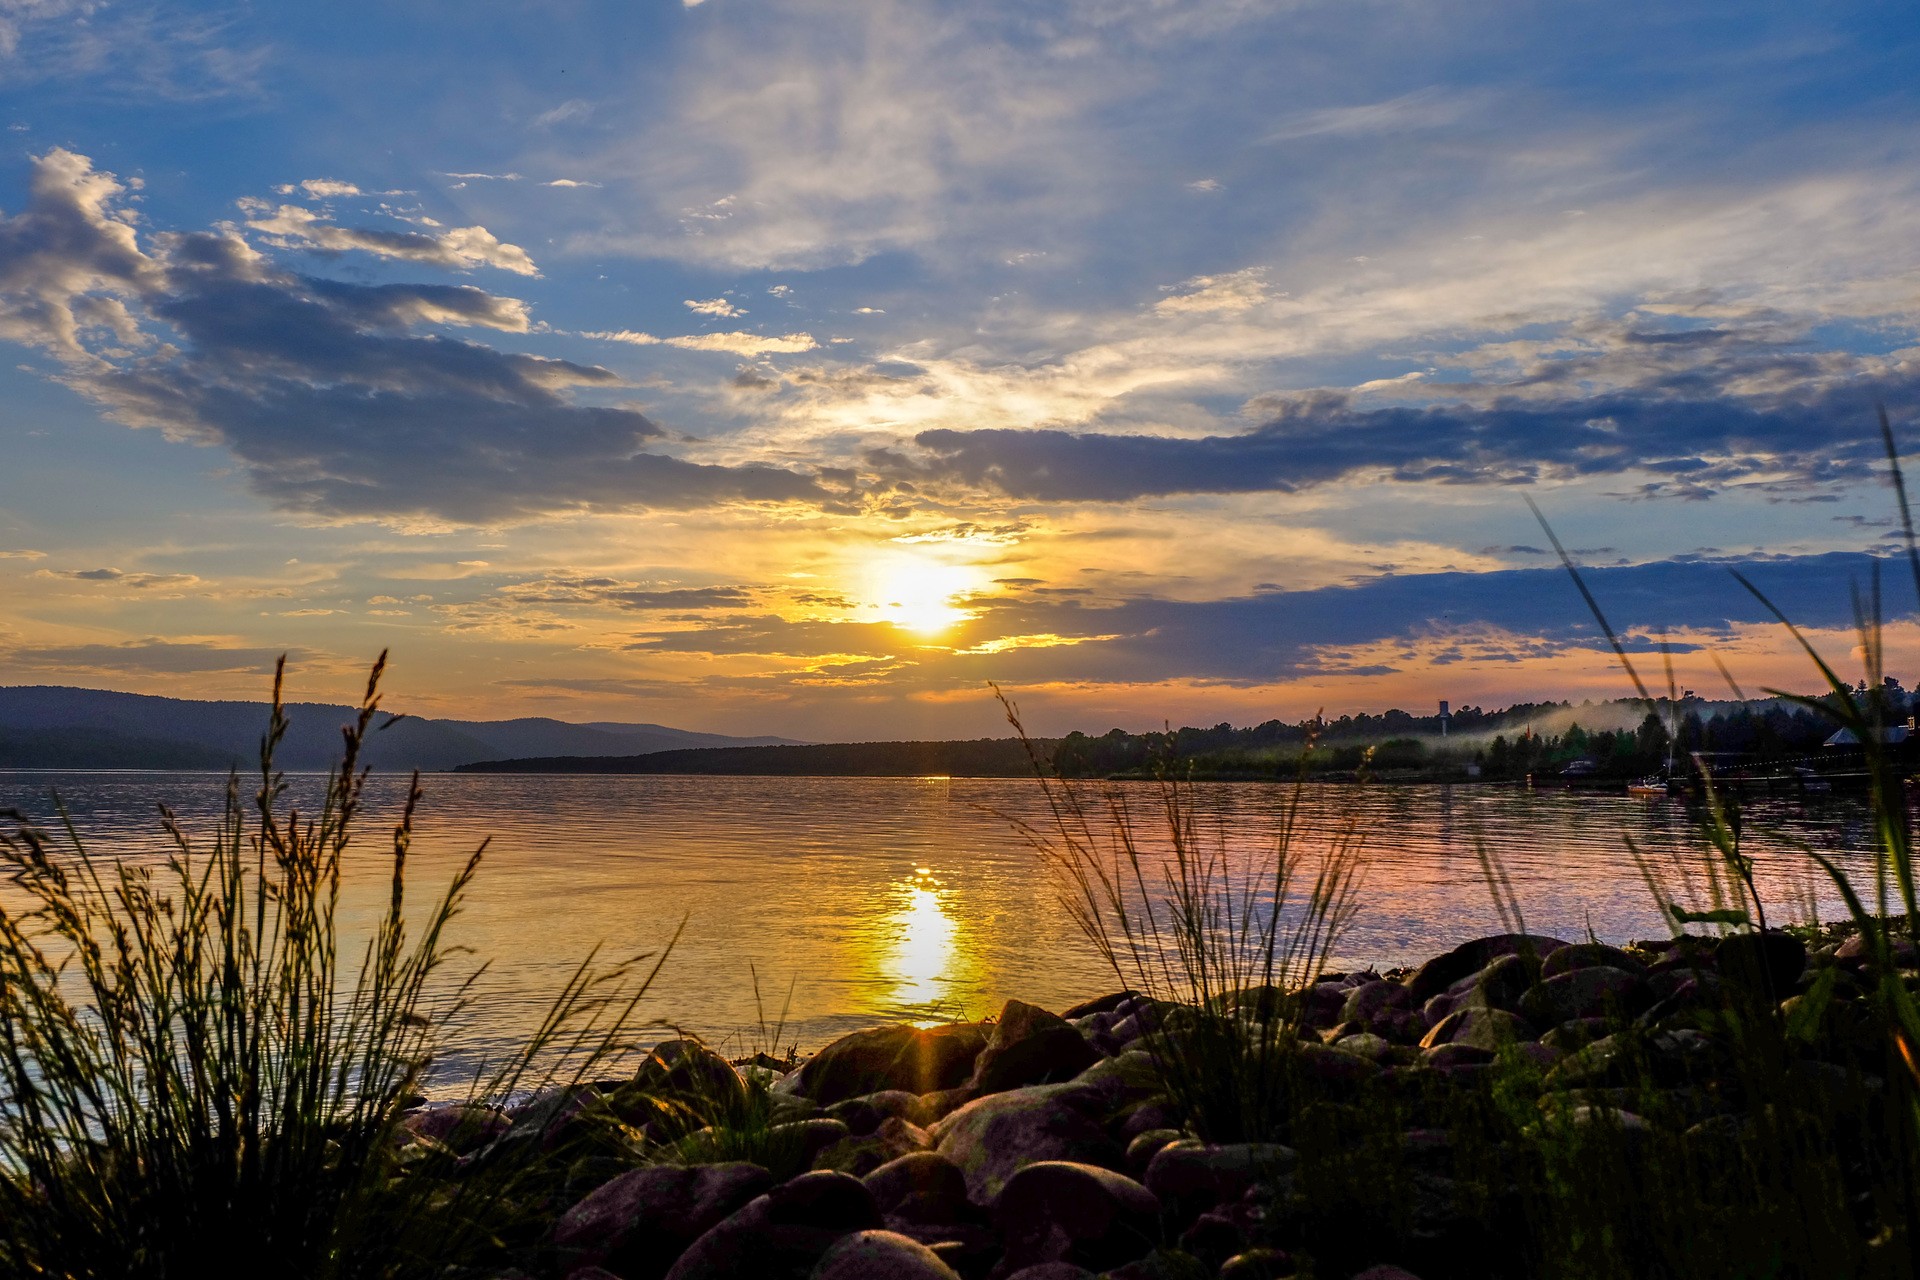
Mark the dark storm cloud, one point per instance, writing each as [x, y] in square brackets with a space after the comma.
[1505, 615]
[325, 391]
[1698, 409]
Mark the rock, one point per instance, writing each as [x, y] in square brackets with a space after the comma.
[642, 1220]
[881, 1255]
[1154, 1113]
[782, 1234]
[861, 1156]
[994, 1137]
[1441, 972]
[1576, 1034]
[918, 1060]
[864, 1114]
[1364, 1045]
[944, 1102]
[1102, 1004]
[1127, 1077]
[1448, 1057]
[1479, 1029]
[1190, 1176]
[461, 1128]
[1385, 1272]
[686, 1068]
[1213, 1238]
[1052, 1271]
[1259, 1264]
[1027, 1046]
[1331, 1066]
[1373, 999]
[1062, 1211]
[1142, 1150]
[1855, 953]
[924, 1186]
[1766, 964]
[1163, 1264]
[1590, 955]
[1588, 992]
[808, 1138]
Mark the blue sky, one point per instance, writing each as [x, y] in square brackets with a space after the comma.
[800, 367]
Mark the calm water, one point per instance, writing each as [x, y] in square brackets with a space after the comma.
[858, 900]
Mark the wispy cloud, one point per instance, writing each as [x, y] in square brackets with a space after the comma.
[736, 343]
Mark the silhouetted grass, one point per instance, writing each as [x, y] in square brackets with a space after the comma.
[195, 1081]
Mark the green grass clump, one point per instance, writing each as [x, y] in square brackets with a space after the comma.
[195, 1081]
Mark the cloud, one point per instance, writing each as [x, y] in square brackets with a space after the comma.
[136, 581]
[591, 590]
[291, 226]
[1697, 409]
[130, 53]
[571, 109]
[324, 188]
[713, 307]
[1428, 108]
[1235, 291]
[1411, 620]
[322, 389]
[154, 656]
[484, 177]
[736, 343]
[569, 182]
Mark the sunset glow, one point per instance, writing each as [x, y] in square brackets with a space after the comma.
[1158, 363]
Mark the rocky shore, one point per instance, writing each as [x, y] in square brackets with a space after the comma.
[1049, 1146]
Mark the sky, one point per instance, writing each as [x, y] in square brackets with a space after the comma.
[810, 366]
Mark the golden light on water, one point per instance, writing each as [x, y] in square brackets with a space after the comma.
[923, 950]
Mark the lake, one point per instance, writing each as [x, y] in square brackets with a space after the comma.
[859, 900]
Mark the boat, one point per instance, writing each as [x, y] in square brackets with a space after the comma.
[1650, 786]
[1809, 781]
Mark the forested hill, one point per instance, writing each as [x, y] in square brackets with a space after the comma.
[980, 758]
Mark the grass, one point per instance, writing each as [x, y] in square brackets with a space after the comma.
[1811, 1168]
[199, 1076]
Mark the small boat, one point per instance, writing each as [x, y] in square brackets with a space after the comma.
[1649, 786]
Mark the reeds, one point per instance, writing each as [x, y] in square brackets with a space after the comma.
[1179, 916]
[195, 1081]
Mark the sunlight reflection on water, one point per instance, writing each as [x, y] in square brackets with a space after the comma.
[859, 900]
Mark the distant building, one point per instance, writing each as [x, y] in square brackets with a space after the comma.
[1892, 735]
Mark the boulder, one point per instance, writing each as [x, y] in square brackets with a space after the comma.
[1373, 999]
[1591, 955]
[1441, 972]
[1854, 952]
[1101, 1004]
[1052, 1271]
[916, 1060]
[1334, 1066]
[1127, 1077]
[921, 1187]
[861, 1156]
[638, 1223]
[1163, 1264]
[1479, 1029]
[685, 1068]
[1455, 1057]
[1029, 1045]
[1385, 1272]
[1190, 1177]
[461, 1128]
[1144, 1147]
[782, 1234]
[1765, 964]
[1589, 992]
[881, 1255]
[992, 1138]
[1062, 1211]
[1259, 1264]
[865, 1114]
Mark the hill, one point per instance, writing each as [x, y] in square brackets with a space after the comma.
[58, 727]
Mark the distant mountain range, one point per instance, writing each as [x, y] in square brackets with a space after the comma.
[54, 727]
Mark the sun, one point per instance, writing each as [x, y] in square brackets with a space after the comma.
[919, 594]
